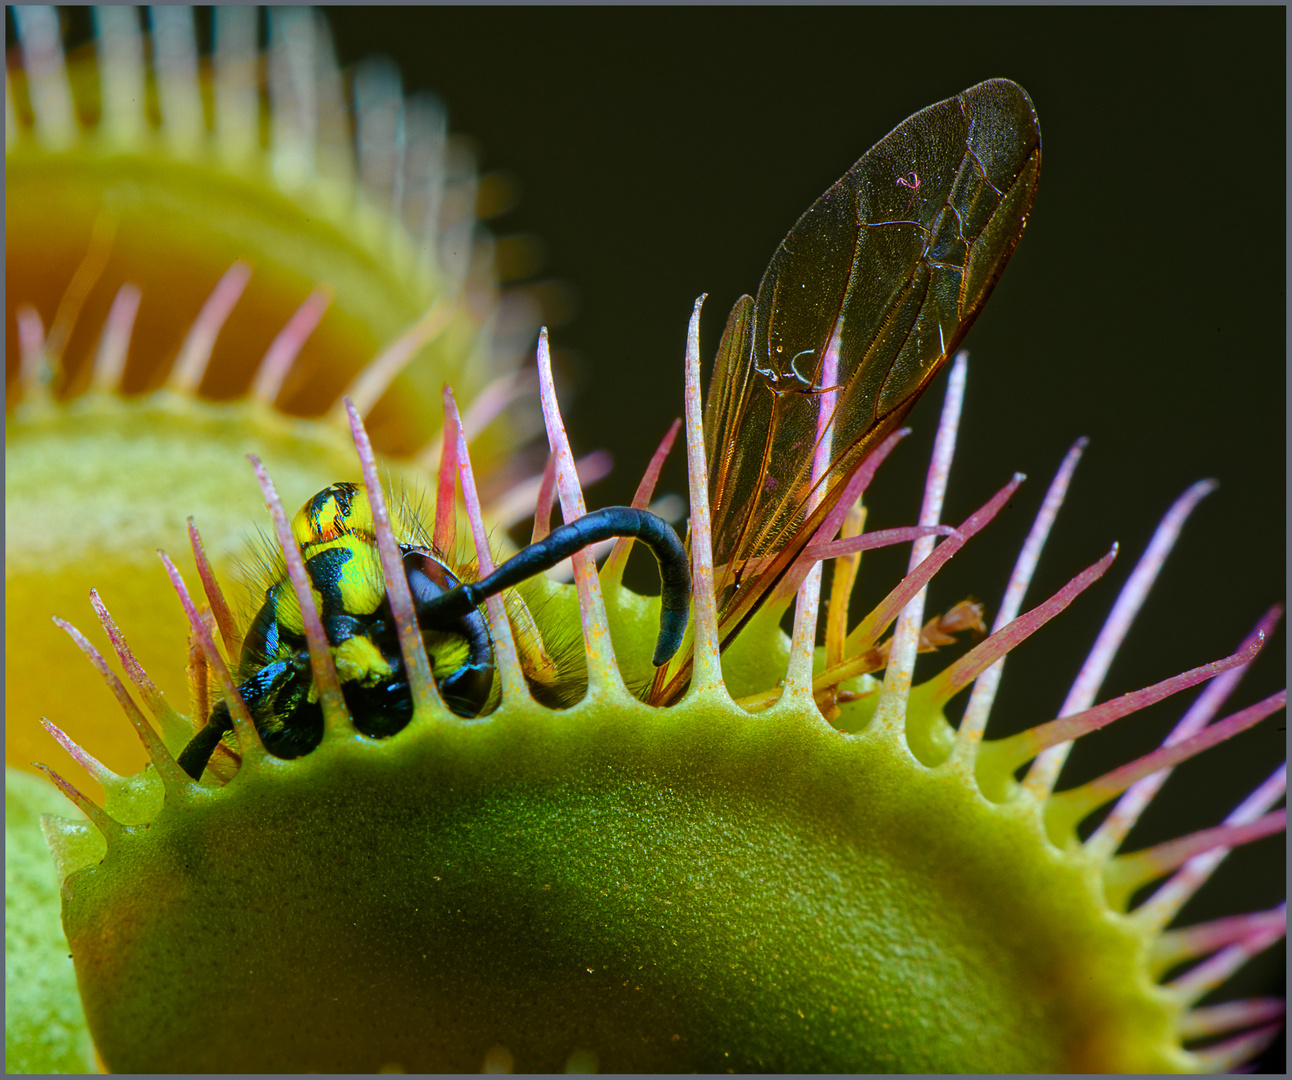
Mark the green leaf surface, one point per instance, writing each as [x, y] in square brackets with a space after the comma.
[45, 1028]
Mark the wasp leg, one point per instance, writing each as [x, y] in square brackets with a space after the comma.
[194, 757]
[562, 542]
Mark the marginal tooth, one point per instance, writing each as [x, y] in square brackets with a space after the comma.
[514, 687]
[48, 89]
[292, 92]
[178, 93]
[603, 671]
[1044, 771]
[237, 97]
[425, 694]
[890, 711]
[974, 721]
[119, 45]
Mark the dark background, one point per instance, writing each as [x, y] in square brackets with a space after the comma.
[664, 152]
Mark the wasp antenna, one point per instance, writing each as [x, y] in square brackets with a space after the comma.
[287, 344]
[1122, 818]
[612, 570]
[376, 377]
[602, 669]
[214, 594]
[891, 708]
[868, 631]
[335, 716]
[1165, 903]
[1065, 809]
[114, 340]
[83, 758]
[974, 721]
[171, 774]
[514, 687]
[421, 684]
[195, 353]
[109, 826]
[1045, 769]
[582, 534]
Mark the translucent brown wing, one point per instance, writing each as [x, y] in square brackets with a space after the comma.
[876, 284]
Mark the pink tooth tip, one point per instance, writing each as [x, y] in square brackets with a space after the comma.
[706, 674]
[375, 377]
[287, 344]
[602, 669]
[1044, 771]
[1027, 744]
[114, 342]
[420, 683]
[83, 758]
[514, 687]
[134, 670]
[1122, 818]
[99, 817]
[335, 716]
[971, 666]
[1162, 906]
[446, 521]
[613, 569]
[214, 594]
[868, 631]
[169, 772]
[249, 743]
[195, 353]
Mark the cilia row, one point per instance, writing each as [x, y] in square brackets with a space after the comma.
[431, 809]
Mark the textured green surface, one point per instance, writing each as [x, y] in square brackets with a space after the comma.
[44, 1022]
[679, 889]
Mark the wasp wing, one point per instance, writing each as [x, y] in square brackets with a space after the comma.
[863, 301]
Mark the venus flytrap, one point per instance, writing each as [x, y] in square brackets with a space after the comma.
[695, 871]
